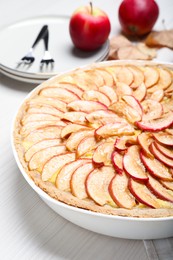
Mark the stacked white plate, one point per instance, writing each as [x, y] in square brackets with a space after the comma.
[16, 40]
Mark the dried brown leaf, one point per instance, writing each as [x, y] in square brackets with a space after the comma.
[160, 39]
[132, 53]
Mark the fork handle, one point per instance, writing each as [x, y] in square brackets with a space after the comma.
[41, 35]
[46, 40]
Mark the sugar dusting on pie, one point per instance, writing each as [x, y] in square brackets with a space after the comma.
[101, 139]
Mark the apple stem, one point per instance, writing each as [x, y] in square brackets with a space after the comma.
[91, 6]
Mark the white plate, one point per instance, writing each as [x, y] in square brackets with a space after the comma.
[16, 39]
[115, 226]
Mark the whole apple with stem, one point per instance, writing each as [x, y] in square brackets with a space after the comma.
[137, 17]
[89, 28]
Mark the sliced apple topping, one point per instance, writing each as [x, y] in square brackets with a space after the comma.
[72, 87]
[157, 188]
[114, 129]
[122, 74]
[167, 184]
[87, 144]
[144, 140]
[45, 110]
[143, 194]
[97, 184]
[117, 161]
[134, 103]
[151, 76]
[108, 79]
[42, 134]
[78, 179]
[160, 156]
[75, 117]
[140, 92]
[168, 152]
[164, 138]
[54, 165]
[40, 100]
[133, 165]
[138, 76]
[95, 95]
[39, 146]
[110, 92]
[122, 143]
[156, 168]
[75, 138]
[85, 106]
[72, 128]
[158, 124]
[123, 89]
[39, 158]
[39, 117]
[152, 110]
[157, 95]
[64, 176]
[102, 154]
[120, 193]
[102, 116]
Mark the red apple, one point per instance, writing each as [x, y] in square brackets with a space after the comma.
[137, 17]
[89, 28]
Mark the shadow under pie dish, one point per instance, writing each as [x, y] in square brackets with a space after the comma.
[97, 143]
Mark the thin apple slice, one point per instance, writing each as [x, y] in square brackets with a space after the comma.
[142, 194]
[140, 92]
[64, 176]
[167, 184]
[39, 117]
[102, 154]
[108, 79]
[39, 158]
[95, 95]
[169, 90]
[41, 101]
[114, 129]
[152, 109]
[39, 146]
[165, 80]
[168, 152]
[162, 158]
[144, 140]
[165, 121]
[94, 77]
[60, 93]
[97, 184]
[123, 89]
[156, 168]
[151, 76]
[86, 145]
[133, 165]
[75, 117]
[45, 110]
[122, 74]
[72, 128]
[84, 81]
[117, 161]
[72, 87]
[110, 92]
[122, 142]
[75, 138]
[54, 165]
[34, 125]
[164, 138]
[42, 134]
[158, 95]
[102, 116]
[158, 190]
[85, 106]
[120, 193]
[134, 103]
[138, 76]
[78, 178]
[121, 108]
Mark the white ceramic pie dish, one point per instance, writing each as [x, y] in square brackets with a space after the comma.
[115, 226]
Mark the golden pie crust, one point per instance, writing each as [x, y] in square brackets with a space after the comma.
[99, 138]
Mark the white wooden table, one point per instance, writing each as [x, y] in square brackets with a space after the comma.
[28, 228]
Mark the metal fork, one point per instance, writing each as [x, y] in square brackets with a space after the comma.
[47, 58]
[29, 57]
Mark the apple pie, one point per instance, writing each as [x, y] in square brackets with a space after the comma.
[101, 138]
